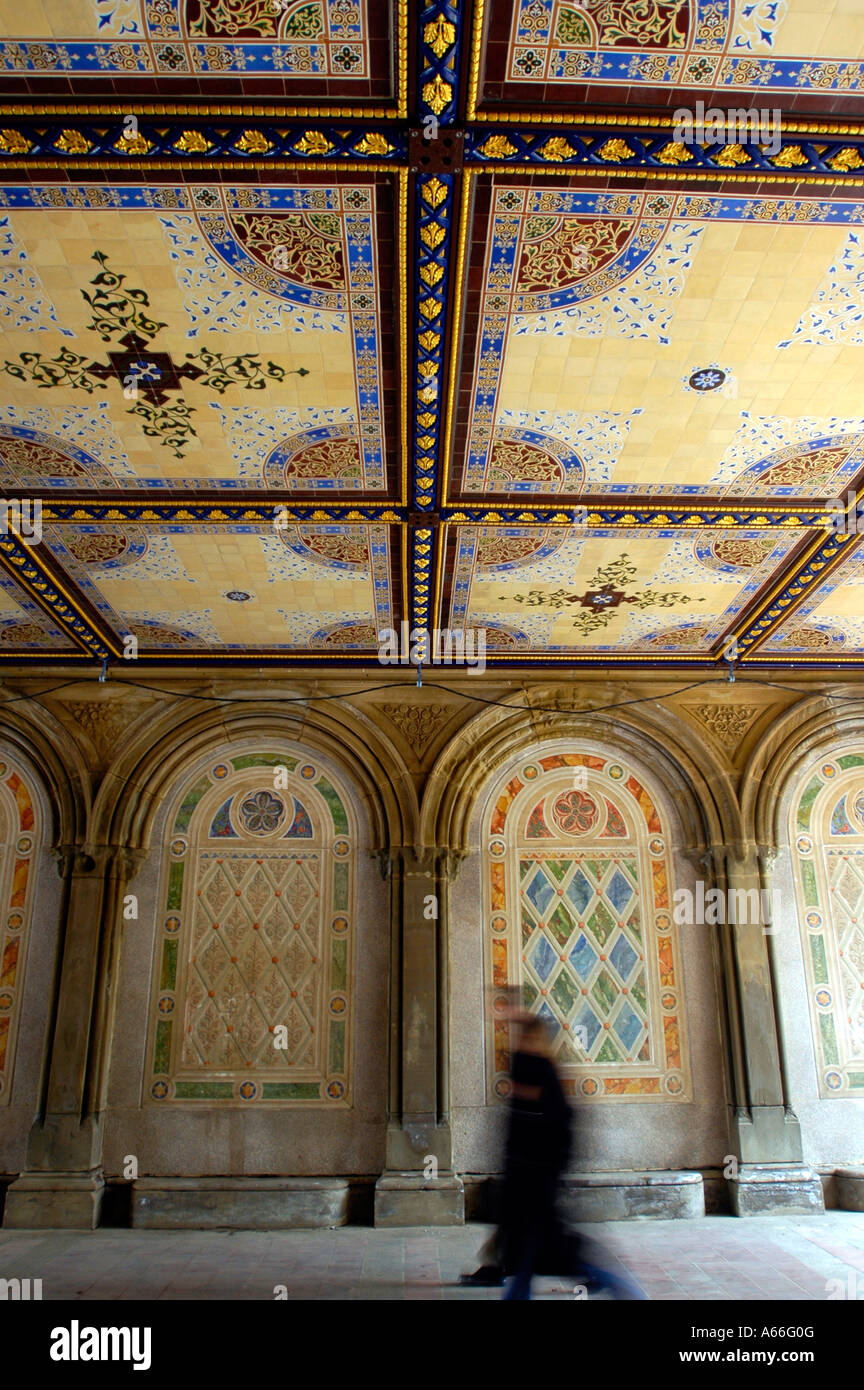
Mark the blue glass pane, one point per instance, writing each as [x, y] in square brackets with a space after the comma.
[540, 892]
[580, 892]
[587, 1019]
[627, 1026]
[542, 958]
[620, 891]
[623, 957]
[583, 958]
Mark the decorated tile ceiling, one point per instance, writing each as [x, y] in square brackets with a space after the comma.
[318, 318]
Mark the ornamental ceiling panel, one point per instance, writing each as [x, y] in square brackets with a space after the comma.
[643, 344]
[333, 51]
[555, 52]
[233, 589]
[565, 591]
[199, 337]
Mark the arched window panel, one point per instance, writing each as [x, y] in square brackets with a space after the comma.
[20, 836]
[252, 996]
[826, 835]
[578, 891]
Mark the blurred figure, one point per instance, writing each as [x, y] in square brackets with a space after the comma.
[538, 1148]
[531, 1239]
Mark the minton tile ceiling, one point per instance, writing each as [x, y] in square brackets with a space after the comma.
[546, 50]
[334, 49]
[282, 381]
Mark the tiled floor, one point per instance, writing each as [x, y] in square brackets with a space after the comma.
[712, 1258]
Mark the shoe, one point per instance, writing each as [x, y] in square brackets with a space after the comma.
[486, 1277]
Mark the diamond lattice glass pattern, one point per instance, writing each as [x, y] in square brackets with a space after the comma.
[582, 935]
[578, 891]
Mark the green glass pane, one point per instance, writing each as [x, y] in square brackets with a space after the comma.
[561, 924]
[820, 962]
[337, 810]
[291, 1090]
[638, 994]
[168, 978]
[162, 1050]
[609, 1052]
[855, 1080]
[175, 886]
[529, 993]
[337, 1047]
[340, 887]
[805, 806]
[524, 866]
[564, 994]
[263, 760]
[339, 969]
[204, 1090]
[190, 801]
[829, 1038]
[808, 882]
[601, 923]
[558, 868]
[850, 760]
[604, 991]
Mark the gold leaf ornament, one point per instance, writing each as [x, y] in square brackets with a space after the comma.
[13, 142]
[790, 158]
[848, 158]
[498, 147]
[616, 150]
[374, 143]
[73, 142]
[434, 193]
[134, 144]
[314, 142]
[556, 149]
[193, 142]
[439, 35]
[675, 153]
[437, 94]
[253, 142]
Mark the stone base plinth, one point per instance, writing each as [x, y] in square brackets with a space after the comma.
[849, 1188]
[763, 1189]
[54, 1201]
[251, 1204]
[661, 1196]
[408, 1199]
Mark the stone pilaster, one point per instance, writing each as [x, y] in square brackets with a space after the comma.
[63, 1183]
[418, 1186]
[770, 1174]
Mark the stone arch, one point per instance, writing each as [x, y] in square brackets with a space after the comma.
[697, 797]
[806, 728]
[341, 1128]
[701, 785]
[253, 979]
[154, 760]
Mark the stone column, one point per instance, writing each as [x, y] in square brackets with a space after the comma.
[770, 1174]
[63, 1183]
[418, 1186]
